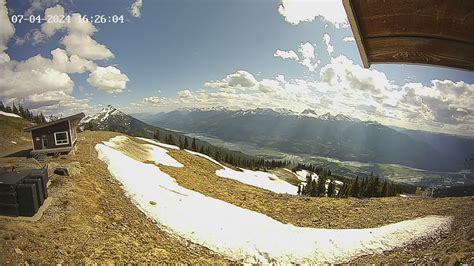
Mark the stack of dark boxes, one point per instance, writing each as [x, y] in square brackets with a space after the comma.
[23, 192]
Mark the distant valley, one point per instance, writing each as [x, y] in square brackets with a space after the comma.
[357, 146]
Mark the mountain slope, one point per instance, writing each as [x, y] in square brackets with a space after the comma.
[112, 119]
[11, 127]
[337, 136]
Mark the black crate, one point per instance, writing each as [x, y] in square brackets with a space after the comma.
[7, 188]
[10, 179]
[27, 199]
[43, 175]
[8, 198]
[9, 209]
[39, 188]
[43, 172]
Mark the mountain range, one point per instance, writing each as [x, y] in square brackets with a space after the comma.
[112, 119]
[337, 136]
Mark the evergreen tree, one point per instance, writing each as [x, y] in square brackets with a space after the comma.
[157, 135]
[372, 186]
[384, 191]
[355, 188]
[2, 107]
[331, 188]
[314, 188]
[193, 145]
[321, 186]
[218, 156]
[341, 192]
[180, 143]
[14, 108]
[21, 111]
[299, 190]
[171, 140]
[186, 143]
[307, 190]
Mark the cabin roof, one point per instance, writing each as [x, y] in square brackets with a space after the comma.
[414, 31]
[78, 117]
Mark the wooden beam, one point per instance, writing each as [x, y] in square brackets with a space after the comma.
[418, 50]
[356, 31]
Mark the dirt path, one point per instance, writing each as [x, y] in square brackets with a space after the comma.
[91, 220]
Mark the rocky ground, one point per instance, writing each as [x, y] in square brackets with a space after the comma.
[91, 220]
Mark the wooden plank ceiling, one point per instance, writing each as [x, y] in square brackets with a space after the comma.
[431, 32]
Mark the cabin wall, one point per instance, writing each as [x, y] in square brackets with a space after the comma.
[73, 125]
[49, 132]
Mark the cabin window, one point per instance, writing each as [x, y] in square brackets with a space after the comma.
[61, 138]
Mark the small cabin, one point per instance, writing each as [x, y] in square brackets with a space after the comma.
[58, 136]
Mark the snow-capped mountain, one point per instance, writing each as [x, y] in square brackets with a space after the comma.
[112, 119]
[108, 117]
[309, 113]
[339, 136]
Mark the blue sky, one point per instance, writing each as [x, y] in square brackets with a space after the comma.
[237, 54]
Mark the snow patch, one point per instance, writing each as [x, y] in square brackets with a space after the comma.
[254, 178]
[301, 174]
[9, 114]
[205, 156]
[159, 143]
[259, 179]
[248, 236]
[155, 154]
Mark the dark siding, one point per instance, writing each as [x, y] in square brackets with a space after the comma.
[49, 132]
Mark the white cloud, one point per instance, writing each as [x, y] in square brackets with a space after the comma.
[60, 61]
[108, 79]
[351, 76]
[286, 54]
[6, 31]
[51, 28]
[39, 5]
[135, 8]
[86, 47]
[78, 41]
[308, 55]
[348, 39]
[296, 11]
[240, 80]
[184, 94]
[35, 35]
[344, 87]
[18, 81]
[445, 101]
[155, 100]
[327, 41]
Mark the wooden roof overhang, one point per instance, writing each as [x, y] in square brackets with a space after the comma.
[430, 32]
[75, 117]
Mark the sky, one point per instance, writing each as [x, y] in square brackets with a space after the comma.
[161, 55]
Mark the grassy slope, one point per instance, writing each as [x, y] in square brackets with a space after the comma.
[11, 129]
[199, 175]
[91, 220]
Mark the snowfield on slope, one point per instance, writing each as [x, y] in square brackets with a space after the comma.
[159, 143]
[155, 154]
[9, 114]
[259, 179]
[248, 236]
